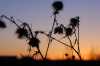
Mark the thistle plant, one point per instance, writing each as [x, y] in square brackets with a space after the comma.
[24, 31]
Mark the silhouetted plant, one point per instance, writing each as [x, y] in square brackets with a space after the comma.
[25, 31]
[57, 6]
[74, 23]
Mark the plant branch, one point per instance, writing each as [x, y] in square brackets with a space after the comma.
[50, 35]
[78, 40]
[63, 44]
[32, 37]
[40, 53]
[3, 16]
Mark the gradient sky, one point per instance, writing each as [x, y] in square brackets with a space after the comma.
[38, 13]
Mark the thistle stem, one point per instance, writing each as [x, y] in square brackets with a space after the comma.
[64, 44]
[50, 35]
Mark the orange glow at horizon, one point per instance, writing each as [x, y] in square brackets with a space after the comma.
[86, 54]
[56, 51]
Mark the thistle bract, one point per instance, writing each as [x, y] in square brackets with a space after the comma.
[34, 42]
[74, 21]
[68, 31]
[58, 30]
[57, 5]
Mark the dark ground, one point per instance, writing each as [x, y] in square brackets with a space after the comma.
[12, 60]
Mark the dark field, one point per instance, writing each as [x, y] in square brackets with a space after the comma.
[12, 60]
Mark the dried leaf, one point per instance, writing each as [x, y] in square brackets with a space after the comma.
[68, 31]
[34, 42]
[58, 30]
[22, 33]
[74, 21]
[2, 24]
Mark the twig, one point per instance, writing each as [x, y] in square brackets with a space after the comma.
[50, 35]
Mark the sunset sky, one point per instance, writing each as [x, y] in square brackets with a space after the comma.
[38, 13]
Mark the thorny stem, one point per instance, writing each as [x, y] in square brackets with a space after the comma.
[11, 20]
[63, 44]
[78, 40]
[40, 53]
[29, 49]
[50, 35]
[75, 39]
[32, 37]
[70, 43]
